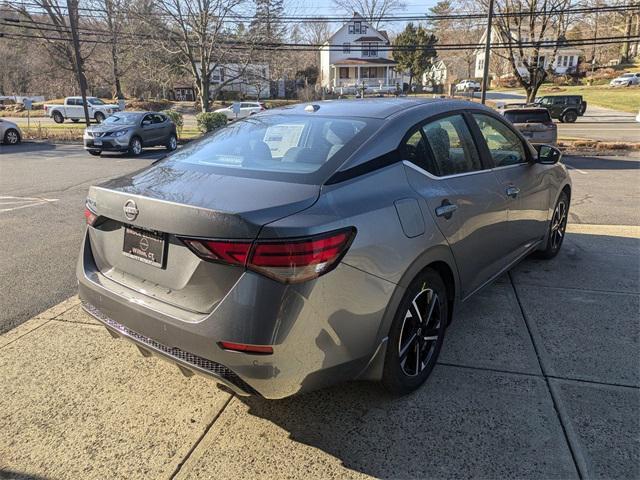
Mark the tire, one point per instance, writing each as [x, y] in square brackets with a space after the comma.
[557, 228]
[11, 137]
[416, 337]
[570, 117]
[95, 153]
[99, 116]
[75, 120]
[135, 146]
[57, 117]
[172, 143]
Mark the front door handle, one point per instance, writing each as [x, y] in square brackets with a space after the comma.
[513, 192]
[446, 209]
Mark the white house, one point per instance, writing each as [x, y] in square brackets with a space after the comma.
[437, 74]
[565, 61]
[357, 53]
[253, 82]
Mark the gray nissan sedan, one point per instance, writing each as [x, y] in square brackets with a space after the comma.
[320, 242]
[131, 132]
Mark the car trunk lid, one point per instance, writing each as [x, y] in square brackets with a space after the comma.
[180, 203]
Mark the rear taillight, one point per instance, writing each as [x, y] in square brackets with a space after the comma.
[288, 261]
[245, 348]
[89, 216]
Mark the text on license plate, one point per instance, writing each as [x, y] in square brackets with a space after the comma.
[144, 245]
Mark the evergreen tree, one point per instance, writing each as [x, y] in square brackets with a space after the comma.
[414, 50]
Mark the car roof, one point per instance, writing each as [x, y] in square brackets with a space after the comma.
[368, 108]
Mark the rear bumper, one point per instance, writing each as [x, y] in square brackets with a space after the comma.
[319, 334]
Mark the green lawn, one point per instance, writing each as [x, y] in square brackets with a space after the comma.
[626, 99]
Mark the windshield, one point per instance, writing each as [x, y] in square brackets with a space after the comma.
[122, 119]
[95, 101]
[278, 146]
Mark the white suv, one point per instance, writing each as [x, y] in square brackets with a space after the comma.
[468, 86]
[242, 109]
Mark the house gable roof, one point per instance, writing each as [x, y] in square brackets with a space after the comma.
[381, 34]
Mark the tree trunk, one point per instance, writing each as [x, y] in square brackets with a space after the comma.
[204, 94]
[624, 51]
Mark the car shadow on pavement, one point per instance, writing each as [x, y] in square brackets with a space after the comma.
[27, 147]
[602, 163]
[13, 475]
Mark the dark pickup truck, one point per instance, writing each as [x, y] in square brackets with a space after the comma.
[566, 108]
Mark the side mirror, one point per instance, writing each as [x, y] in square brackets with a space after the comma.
[548, 155]
[146, 122]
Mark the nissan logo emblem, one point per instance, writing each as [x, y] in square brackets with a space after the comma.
[130, 210]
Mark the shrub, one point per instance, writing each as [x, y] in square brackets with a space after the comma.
[176, 117]
[152, 105]
[209, 121]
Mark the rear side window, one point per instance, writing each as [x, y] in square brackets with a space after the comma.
[536, 116]
[573, 100]
[505, 146]
[451, 146]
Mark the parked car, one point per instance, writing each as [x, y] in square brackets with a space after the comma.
[245, 109]
[566, 108]
[10, 133]
[626, 80]
[319, 242]
[73, 109]
[131, 132]
[468, 86]
[535, 124]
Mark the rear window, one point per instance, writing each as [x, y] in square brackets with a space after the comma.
[538, 116]
[301, 148]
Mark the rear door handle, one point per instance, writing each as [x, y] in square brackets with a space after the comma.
[513, 192]
[446, 210]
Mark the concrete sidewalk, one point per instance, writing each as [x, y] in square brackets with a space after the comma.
[539, 378]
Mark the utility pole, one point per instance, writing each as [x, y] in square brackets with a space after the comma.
[72, 10]
[487, 54]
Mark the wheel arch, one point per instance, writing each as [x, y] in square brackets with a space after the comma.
[438, 258]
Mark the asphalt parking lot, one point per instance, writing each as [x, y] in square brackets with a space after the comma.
[538, 377]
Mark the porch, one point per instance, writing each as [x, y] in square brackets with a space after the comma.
[346, 76]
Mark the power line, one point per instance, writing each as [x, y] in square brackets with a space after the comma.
[385, 18]
[309, 47]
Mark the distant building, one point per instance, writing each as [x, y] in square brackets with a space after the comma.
[565, 61]
[357, 53]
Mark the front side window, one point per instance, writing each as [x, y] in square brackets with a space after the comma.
[505, 146]
[451, 145]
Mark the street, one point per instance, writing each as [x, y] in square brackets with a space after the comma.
[538, 375]
[43, 188]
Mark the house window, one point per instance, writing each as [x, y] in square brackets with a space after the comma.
[370, 49]
[369, 72]
[480, 63]
[344, 72]
[565, 60]
[571, 61]
[351, 29]
[346, 47]
[357, 27]
[363, 29]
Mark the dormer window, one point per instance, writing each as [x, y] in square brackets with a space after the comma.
[357, 28]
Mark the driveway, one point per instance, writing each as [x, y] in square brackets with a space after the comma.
[538, 378]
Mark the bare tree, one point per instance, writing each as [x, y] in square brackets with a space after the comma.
[197, 32]
[60, 35]
[374, 11]
[532, 33]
